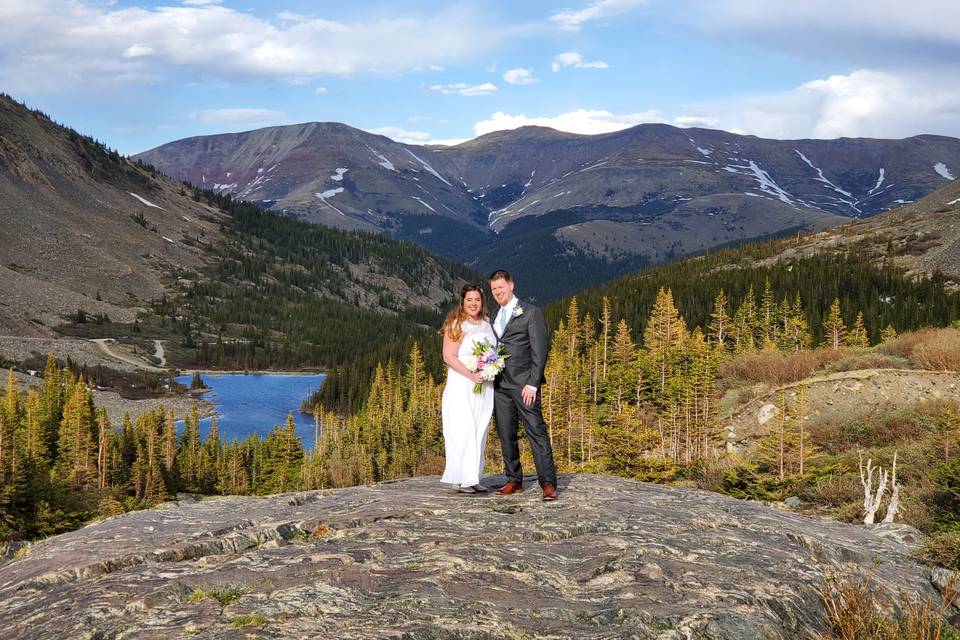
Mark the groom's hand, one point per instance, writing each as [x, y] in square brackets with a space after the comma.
[529, 394]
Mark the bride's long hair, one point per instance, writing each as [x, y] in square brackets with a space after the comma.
[457, 316]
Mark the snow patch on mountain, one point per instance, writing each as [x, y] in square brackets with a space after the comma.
[767, 184]
[821, 178]
[428, 167]
[386, 164]
[424, 203]
[943, 171]
[338, 174]
[879, 181]
[145, 201]
[329, 193]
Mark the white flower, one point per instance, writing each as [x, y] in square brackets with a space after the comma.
[517, 311]
[490, 372]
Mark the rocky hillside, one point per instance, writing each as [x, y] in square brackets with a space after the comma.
[612, 558]
[643, 195]
[85, 228]
[921, 237]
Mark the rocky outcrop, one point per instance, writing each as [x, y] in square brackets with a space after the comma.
[612, 558]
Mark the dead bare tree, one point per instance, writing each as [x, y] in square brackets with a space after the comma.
[871, 498]
[894, 493]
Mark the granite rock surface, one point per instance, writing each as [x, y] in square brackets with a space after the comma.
[411, 559]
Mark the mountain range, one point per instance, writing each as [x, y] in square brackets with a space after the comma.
[548, 203]
[85, 229]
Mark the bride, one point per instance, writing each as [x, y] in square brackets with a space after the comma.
[466, 414]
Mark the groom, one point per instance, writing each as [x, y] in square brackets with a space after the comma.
[522, 331]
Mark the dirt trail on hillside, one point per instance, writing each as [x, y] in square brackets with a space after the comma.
[104, 344]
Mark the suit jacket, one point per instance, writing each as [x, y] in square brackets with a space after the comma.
[525, 339]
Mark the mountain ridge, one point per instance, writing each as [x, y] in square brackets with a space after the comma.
[642, 195]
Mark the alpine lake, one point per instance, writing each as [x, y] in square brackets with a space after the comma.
[248, 403]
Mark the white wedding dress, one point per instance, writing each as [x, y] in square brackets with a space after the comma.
[466, 415]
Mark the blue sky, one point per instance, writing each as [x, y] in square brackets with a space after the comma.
[137, 74]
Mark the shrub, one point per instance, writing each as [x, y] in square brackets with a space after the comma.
[942, 549]
[854, 611]
[110, 506]
[871, 360]
[880, 428]
[709, 473]
[932, 349]
[775, 367]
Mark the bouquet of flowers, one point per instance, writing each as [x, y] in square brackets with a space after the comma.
[488, 360]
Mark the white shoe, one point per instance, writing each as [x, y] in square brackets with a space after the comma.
[466, 490]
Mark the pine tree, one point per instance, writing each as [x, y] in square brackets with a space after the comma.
[888, 334]
[767, 334]
[168, 444]
[744, 324]
[104, 433]
[52, 400]
[664, 339]
[188, 456]
[857, 336]
[948, 430]
[76, 451]
[719, 328]
[212, 459]
[833, 328]
[605, 325]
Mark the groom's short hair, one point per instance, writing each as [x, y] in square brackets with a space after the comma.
[501, 274]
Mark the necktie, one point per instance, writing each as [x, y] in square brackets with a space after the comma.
[503, 320]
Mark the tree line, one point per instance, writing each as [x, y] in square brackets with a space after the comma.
[62, 462]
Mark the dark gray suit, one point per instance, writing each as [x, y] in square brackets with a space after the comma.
[525, 339]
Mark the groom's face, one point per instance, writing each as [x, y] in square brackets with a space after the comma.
[502, 290]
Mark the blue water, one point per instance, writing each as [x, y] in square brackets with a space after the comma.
[248, 403]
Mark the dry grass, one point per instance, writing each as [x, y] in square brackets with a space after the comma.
[709, 474]
[931, 349]
[857, 612]
[868, 360]
[777, 368]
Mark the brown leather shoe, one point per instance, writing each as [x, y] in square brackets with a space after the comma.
[510, 488]
[549, 493]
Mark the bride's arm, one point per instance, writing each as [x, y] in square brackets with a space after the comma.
[450, 350]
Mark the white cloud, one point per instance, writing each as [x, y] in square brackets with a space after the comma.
[402, 135]
[200, 3]
[464, 89]
[137, 51]
[320, 90]
[239, 117]
[575, 60]
[865, 103]
[583, 121]
[868, 32]
[573, 20]
[50, 45]
[406, 136]
[519, 76]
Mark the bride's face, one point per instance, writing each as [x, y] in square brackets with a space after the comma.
[473, 304]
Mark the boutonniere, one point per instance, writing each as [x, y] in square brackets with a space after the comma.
[517, 311]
